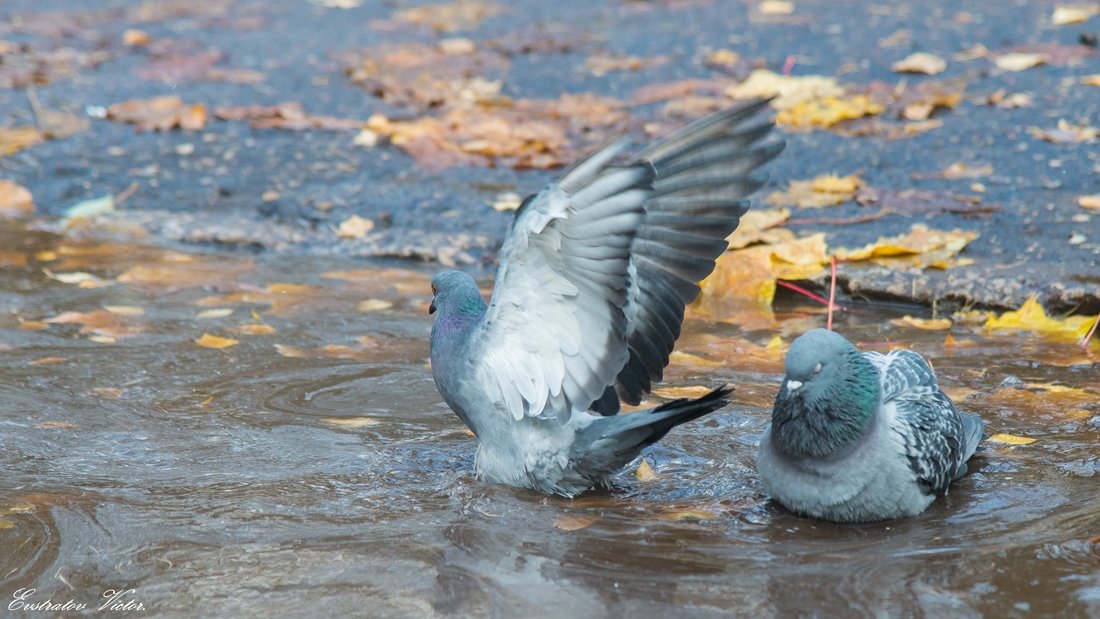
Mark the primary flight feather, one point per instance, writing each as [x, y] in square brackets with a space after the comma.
[594, 276]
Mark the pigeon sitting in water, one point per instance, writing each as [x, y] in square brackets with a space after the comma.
[593, 279]
[857, 437]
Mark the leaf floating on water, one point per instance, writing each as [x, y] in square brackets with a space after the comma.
[687, 514]
[574, 522]
[55, 425]
[48, 360]
[80, 278]
[101, 323]
[351, 422]
[673, 393]
[125, 310]
[932, 324]
[645, 471]
[1066, 133]
[215, 341]
[220, 312]
[256, 328]
[15, 200]
[1032, 317]
[101, 339]
[91, 208]
[1010, 439]
[110, 393]
[373, 305]
[1045, 397]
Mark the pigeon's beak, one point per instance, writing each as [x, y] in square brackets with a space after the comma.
[431, 308]
[793, 385]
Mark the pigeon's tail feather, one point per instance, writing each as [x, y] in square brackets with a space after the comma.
[608, 443]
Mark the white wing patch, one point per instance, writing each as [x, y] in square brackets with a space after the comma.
[555, 334]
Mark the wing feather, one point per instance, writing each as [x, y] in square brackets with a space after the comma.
[598, 267]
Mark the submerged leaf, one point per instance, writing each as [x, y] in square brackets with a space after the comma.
[1010, 439]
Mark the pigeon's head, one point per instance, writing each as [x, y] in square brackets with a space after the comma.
[816, 361]
[455, 290]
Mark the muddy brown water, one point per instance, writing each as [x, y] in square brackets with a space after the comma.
[310, 469]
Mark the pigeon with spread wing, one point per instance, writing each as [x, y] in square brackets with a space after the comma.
[594, 276]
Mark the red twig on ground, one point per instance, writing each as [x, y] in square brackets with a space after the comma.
[788, 65]
[802, 291]
[832, 293]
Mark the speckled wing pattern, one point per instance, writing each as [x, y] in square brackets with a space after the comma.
[929, 427]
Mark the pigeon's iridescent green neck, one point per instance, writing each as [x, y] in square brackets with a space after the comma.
[822, 421]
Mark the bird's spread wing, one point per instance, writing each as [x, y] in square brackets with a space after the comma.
[597, 267]
[927, 423]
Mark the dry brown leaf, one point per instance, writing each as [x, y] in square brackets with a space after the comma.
[208, 340]
[921, 62]
[290, 116]
[48, 360]
[100, 322]
[15, 200]
[448, 17]
[159, 114]
[256, 328]
[177, 271]
[1066, 133]
[602, 64]
[15, 139]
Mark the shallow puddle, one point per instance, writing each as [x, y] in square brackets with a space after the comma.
[225, 434]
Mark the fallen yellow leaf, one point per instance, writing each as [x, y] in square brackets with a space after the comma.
[826, 112]
[758, 225]
[919, 240]
[1073, 14]
[825, 190]
[776, 7]
[373, 305]
[1032, 317]
[354, 227]
[920, 62]
[1091, 80]
[932, 324]
[645, 472]
[1089, 202]
[214, 341]
[125, 310]
[1019, 62]
[1010, 439]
